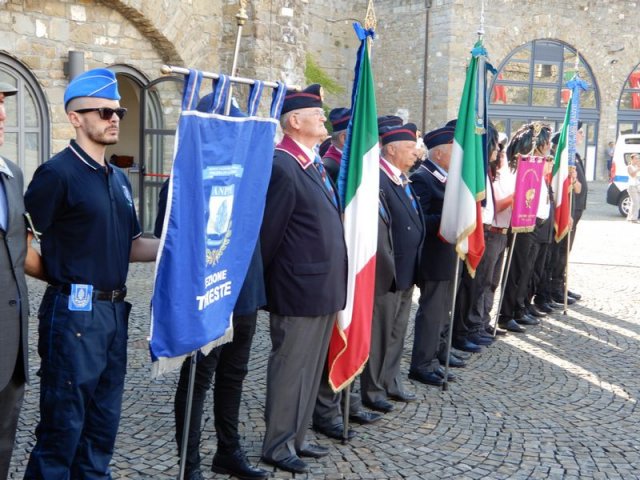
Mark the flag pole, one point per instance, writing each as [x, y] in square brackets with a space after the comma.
[454, 288]
[241, 18]
[503, 283]
[566, 267]
[187, 415]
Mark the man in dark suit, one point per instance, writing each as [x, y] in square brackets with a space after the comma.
[339, 118]
[380, 379]
[305, 262]
[437, 270]
[14, 300]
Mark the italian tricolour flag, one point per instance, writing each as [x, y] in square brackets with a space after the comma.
[358, 186]
[561, 179]
[461, 222]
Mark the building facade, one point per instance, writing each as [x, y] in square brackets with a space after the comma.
[419, 60]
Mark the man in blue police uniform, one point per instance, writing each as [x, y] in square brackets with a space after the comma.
[228, 362]
[339, 118]
[83, 210]
[380, 379]
[305, 262]
[14, 299]
[437, 270]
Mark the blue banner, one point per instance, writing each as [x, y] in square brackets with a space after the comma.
[215, 204]
[576, 84]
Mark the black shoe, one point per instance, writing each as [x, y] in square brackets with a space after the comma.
[527, 320]
[362, 417]
[560, 299]
[512, 326]
[499, 331]
[466, 346]
[237, 465]
[455, 362]
[379, 406]
[574, 295]
[195, 474]
[403, 397]
[450, 377]
[334, 431]
[428, 378]
[534, 312]
[292, 464]
[460, 354]
[544, 307]
[311, 450]
[479, 339]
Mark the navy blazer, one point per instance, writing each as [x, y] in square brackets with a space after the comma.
[407, 227]
[438, 256]
[385, 262]
[252, 295]
[302, 238]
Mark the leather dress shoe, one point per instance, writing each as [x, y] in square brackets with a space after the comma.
[480, 339]
[466, 346]
[291, 464]
[311, 450]
[512, 326]
[428, 378]
[560, 299]
[362, 417]
[334, 431]
[195, 474]
[534, 312]
[574, 295]
[450, 377]
[527, 320]
[379, 405]
[544, 307]
[499, 331]
[460, 354]
[403, 396]
[455, 362]
[237, 465]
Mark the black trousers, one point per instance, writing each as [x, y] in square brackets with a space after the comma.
[10, 402]
[229, 363]
[525, 251]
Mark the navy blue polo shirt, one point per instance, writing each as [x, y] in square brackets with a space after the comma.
[86, 218]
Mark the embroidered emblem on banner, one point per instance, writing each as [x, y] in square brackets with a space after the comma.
[80, 297]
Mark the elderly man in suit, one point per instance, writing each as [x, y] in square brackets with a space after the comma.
[380, 381]
[305, 264]
[14, 300]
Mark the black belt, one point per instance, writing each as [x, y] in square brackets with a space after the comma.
[112, 296]
[492, 229]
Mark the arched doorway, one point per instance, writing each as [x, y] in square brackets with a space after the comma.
[629, 104]
[530, 85]
[27, 134]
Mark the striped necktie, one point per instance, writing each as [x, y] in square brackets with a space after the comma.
[407, 191]
[327, 183]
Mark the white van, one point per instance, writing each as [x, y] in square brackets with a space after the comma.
[617, 192]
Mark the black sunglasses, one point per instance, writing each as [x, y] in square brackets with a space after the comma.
[105, 113]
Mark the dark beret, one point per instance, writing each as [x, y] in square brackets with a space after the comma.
[388, 121]
[310, 97]
[339, 118]
[398, 133]
[440, 136]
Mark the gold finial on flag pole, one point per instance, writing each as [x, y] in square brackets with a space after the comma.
[370, 20]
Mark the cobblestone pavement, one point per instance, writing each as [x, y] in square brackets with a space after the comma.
[557, 402]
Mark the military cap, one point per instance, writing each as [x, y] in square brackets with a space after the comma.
[310, 97]
[398, 133]
[440, 136]
[7, 89]
[388, 121]
[99, 83]
[339, 118]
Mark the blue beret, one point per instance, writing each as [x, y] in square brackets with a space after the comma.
[388, 121]
[339, 118]
[440, 136]
[7, 89]
[399, 133]
[310, 97]
[99, 82]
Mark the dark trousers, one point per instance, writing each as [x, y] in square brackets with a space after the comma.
[83, 364]
[10, 402]
[328, 410]
[488, 278]
[432, 319]
[559, 262]
[540, 277]
[525, 251]
[229, 363]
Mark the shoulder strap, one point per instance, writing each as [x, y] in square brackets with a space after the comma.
[277, 100]
[191, 88]
[255, 93]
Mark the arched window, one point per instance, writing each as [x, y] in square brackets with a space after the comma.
[629, 104]
[26, 136]
[530, 85]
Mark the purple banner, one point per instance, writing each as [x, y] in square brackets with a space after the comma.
[527, 193]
